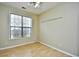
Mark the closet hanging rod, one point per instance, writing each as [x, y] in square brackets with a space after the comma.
[52, 19]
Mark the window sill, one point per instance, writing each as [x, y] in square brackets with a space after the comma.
[19, 38]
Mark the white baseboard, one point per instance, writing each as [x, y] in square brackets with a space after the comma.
[17, 45]
[58, 50]
[41, 43]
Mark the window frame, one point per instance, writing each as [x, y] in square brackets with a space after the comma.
[19, 26]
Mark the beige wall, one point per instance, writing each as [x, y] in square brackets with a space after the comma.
[61, 33]
[4, 27]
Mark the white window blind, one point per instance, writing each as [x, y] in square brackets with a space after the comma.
[20, 26]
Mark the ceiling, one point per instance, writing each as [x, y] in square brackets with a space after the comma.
[43, 7]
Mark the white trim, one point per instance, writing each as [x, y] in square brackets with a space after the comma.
[41, 43]
[58, 49]
[17, 45]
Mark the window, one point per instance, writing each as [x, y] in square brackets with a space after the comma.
[20, 26]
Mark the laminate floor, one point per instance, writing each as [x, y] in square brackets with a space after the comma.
[32, 50]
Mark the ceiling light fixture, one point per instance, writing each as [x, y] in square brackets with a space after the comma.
[23, 7]
[34, 4]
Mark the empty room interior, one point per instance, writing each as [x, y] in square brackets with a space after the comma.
[39, 29]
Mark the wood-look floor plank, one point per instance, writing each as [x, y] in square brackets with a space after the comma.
[32, 50]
